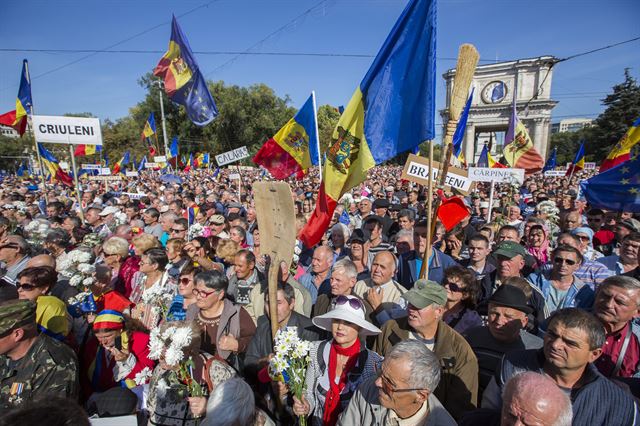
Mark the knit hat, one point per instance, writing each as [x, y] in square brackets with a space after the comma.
[109, 320]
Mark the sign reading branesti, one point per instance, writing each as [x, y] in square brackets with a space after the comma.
[232, 156]
[488, 174]
[416, 169]
[68, 130]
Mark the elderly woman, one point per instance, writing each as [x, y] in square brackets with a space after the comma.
[232, 403]
[585, 235]
[538, 244]
[115, 252]
[34, 282]
[152, 288]
[463, 291]
[339, 236]
[177, 256]
[226, 329]
[239, 235]
[168, 403]
[338, 365]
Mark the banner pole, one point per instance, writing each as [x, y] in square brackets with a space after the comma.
[491, 191]
[75, 179]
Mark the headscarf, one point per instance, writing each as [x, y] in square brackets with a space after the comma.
[540, 253]
[109, 320]
[51, 316]
[584, 230]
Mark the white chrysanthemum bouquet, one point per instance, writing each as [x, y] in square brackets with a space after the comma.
[36, 231]
[171, 343]
[289, 364]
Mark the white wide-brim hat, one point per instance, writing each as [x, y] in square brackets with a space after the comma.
[346, 313]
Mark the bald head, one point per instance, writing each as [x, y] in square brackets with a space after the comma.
[42, 260]
[546, 405]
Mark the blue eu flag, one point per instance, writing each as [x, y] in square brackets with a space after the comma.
[617, 189]
[551, 162]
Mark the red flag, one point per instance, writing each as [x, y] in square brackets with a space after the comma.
[451, 211]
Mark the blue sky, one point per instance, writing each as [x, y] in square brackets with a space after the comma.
[105, 84]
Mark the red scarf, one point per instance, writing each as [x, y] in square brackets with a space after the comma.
[332, 402]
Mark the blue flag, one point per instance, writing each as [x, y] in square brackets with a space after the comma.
[551, 162]
[183, 81]
[483, 160]
[174, 147]
[216, 172]
[142, 163]
[458, 136]
[20, 171]
[344, 218]
[617, 189]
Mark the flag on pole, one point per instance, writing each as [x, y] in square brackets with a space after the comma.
[205, 159]
[83, 150]
[53, 167]
[294, 149]
[189, 163]
[118, 167]
[551, 162]
[18, 117]
[20, 171]
[487, 160]
[149, 131]
[617, 189]
[183, 81]
[518, 149]
[578, 161]
[142, 164]
[622, 150]
[390, 112]
[458, 136]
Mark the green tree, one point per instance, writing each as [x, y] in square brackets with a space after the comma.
[328, 117]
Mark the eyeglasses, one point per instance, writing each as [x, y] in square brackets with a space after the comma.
[454, 287]
[185, 280]
[177, 230]
[203, 294]
[560, 260]
[25, 286]
[388, 388]
[353, 302]
[584, 238]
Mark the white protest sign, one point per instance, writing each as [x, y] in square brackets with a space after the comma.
[117, 177]
[232, 156]
[68, 130]
[160, 159]
[589, 166]
[234, 176]
[90, 166]
[132, 174]
[488, 174]
[151, 165]
[105, 171]
[134, 195]
[555, 173]
[64, 165]
[416, 169]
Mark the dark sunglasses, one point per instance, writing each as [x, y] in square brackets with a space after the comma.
[185, 280]
[353, 302]
[454, 287]
[25, 287]
[560, 260]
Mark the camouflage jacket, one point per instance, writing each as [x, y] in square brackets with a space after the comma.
[49, 367]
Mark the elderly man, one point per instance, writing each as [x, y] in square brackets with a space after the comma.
[317, 279]
[14, 255]
[616, 306]
[167, 221]
[244, 278]
[343, 279]
[627, 260]
[381, 290]
[547, 405]
[217, 224]
[559, 286]
[152, 226]
[504, 331]
[32, 365]
[571, 220]
[573, 341]
[459, 386]
[403, 392]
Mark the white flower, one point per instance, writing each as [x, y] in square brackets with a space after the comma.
[181, 337]
[162, 387]
[75, 280]
[156, 344]
[173, 355]
[86, 268]
[168, 332]
[143, 376]
[87, 282]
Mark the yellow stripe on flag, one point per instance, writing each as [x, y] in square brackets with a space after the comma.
[293, 138]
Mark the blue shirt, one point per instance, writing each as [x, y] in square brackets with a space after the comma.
[308, 281]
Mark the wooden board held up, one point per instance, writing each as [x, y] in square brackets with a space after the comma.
[416, 169]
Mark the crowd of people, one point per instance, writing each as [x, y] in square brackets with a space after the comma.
[148, 299]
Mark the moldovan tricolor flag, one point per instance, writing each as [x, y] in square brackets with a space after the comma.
[391, 111]
[295, 148]
[118, 167]
[82, 150]
[622, 151]
[148, 131]
[51, 164]
[18, 117]
[578, 161]
[518, 148]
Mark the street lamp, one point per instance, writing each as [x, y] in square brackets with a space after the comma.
[160, 84]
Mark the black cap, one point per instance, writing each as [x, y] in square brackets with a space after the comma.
[511, 297]
[359, 236]
[381, 203]
[373, 218]
[395, 207]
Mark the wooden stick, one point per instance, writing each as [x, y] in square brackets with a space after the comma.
[466, 67]
[424, 271]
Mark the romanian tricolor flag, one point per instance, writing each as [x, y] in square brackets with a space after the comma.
[53, 167]
[183, 81]
[392, 111]
[487, 160]
[518, 149]
[118, 167]
[578, 161]
[82, 150]
[296, 147]
[458, 136]
[18, 117]
[189, 164]
[149, 131]
[191, 214]
[622, 151]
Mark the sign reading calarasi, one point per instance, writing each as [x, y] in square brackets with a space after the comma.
[232, 156]
[416, 169]
[68, 130]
